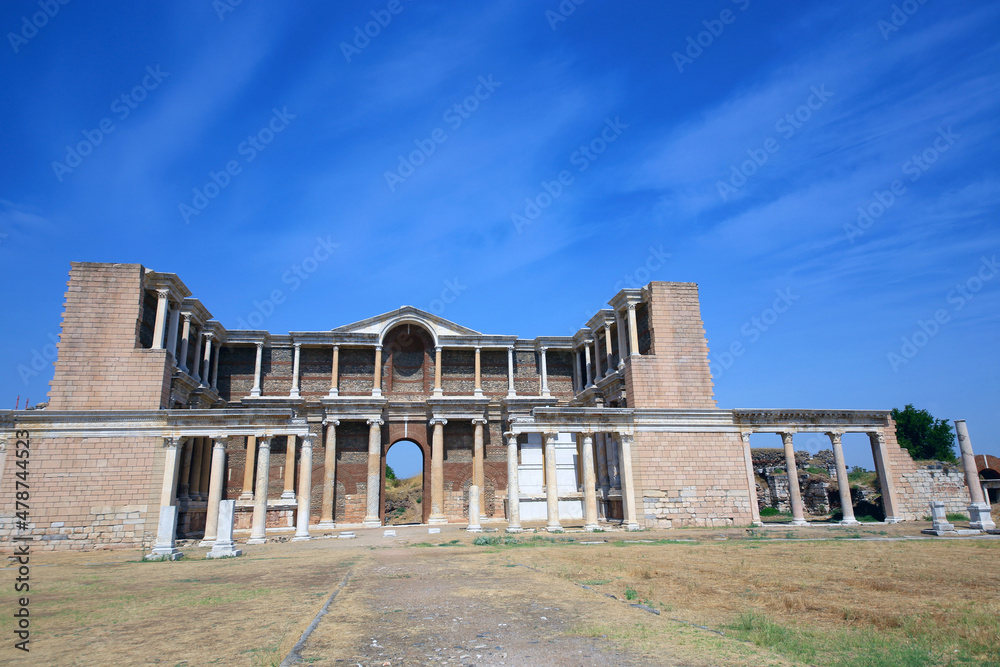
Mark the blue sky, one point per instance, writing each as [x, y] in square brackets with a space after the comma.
[726, 143]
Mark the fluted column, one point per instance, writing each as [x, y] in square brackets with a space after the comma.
[335, 373]
[258, 528]
[374, 473]
[160, 325]
[597, 358]
[196, 358]
[511, 391]
[294, 393]
[844, 484]
[551, 484]
[478, 473]
[607, 346]
[437, 372]
[614, 470]
[215, 485]
[305, 489]
[248, 467]
[185, 476]
[628, 483]
[794, 493]
[206, 365]
[619, 326]
[185, 340]
[215, 368]
[288, 493]
[589, 484]
[437, 471]
[588, 363]
[377, 379]
[174, 319]
[194, 483]
[256, 369]
[602, 465]
[545, 374]
[206, 467]
[329, 474]
[513, 488]
[751, 480]
[633, 331]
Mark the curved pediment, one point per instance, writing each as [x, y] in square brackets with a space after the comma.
[380, 324]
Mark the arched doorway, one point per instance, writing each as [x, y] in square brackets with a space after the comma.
[404, 500]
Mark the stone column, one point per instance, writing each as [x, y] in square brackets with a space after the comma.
[633, 331]
[881, 455]
[607, 346]
[478, 456]
[377, 379]
[171, 469]
[478, 391]
[224, 546]
[185, 338]
[215, 485]
[258, 528]
[597, 358]
[294, 393]
[751, 480]
[551, 484]
[511, 391]
[215, 368]
[589, 484]
[588, 364]
[335, 373]
[247, 493]
[979, 509]
[621, 340]
[329, 475]
[794, 494]
[206, 365]
[160, 326]
[165, 546]
[196, 362]
[513, 490]
[374, 473]
[545, 374]
[194, 484]
[437, 372]
[628, 483]
[614, 470]
[256, 369]
[175, 316]
[437, 471]
[844, 484]
[474, 512]
[305, 489]
[185, 479]
[206, 467]
[288, 493]
[602, 474]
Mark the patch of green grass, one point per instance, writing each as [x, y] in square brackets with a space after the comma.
[630, 593]
[773, 512]
[955, 516]
[814, 470]
[864, 518]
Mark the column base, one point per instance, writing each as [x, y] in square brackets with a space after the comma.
[370, 522]
[633, 526]
[301, 538]
[979, 517]
[333, 394]
[437, 519]
[224, 553]
[326, 524]
[591, 527]
[554, 528]
[893, 519]
[207, 543]
[257, 540]
[478, 393]
[294, 394]
[799, 522]
[255, 393]
[376, 393]
[246, 495]
[164, 553]
[437, 393]
[511, 394]
[287, 495]
[474, 529]
[850, 522]
[756, 524]
[514, 529]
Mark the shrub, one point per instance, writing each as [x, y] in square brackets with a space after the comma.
[770, 511]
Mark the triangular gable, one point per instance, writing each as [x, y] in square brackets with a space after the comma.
[378, 322]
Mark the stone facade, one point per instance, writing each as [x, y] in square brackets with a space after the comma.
[157, 413]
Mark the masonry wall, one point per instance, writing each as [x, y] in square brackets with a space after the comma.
[690, 479]
[917, 485]
[101, 365]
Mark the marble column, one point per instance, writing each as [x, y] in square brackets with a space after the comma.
[437, 372]
[165, 545]
[256, 369]
[597, 358]
[607, 347]
[844, 484]
[294, 393]
[751, 480]
[614, 470]
[588, 364]
[288, 493]
[215, 486]
[329, 475]
[602, 465]
[171, 469]
[215, 368]
[185, 340]
[377, 379]
[478, 456]
[174, 319]
[437, 471]
[185, 478]
[305, 489]
[628, 483]
[478, 390]
[160, 325]
[259, 526]
[247, 493]
[589, 484]
[551, 484]
[979, 509]
[196, 360]
[794, 493]
[373, 489]
[545, 374]
[474, 512]
[890, 503]
[619, 326]
[194, 484]
[511, 391]
[633, 331]
[206, 365]
[206, 467]
[335, 373]
[513, 488]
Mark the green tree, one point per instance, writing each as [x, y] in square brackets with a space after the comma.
[389, 473]
[924, 436]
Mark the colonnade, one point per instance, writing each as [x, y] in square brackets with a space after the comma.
[173, 330]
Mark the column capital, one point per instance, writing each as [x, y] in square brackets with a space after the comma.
[480, 421]
[835, 435]
[745, 436]
[173, 442]
[437, 348]
[296, 345]
[375, 422]
[786, 436]
[378, 347]
[543, 348]
[163, 292]
[259, 344]
[550, 434]
[264, 441]
[336, 346]
[879, 436]
[509, 435]
[219, 441]
[331, 422]
[186, 316]
[307, 441]
[438, 420]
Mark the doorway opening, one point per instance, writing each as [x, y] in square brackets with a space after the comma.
[403, 497]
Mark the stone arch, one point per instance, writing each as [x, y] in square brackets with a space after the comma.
[408, 358]
[425, 457]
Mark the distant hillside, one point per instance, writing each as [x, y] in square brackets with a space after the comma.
[403, 500]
